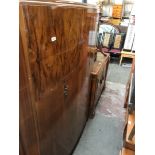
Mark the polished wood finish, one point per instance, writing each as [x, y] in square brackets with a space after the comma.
[128, 86]
[98, 79]
[55, 67]
[130, 114]
[125, 151]
[28, 131]
[127, 94]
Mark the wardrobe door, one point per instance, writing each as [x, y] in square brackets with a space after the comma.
[57, 54]
[29, 142]
[47, 90]
[49, 110]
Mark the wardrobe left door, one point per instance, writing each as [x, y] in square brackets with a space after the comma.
[41, 121]
[45, 94]
[29, 141]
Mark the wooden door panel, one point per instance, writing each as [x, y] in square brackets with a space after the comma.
[55, 118]
[29, 142]
[54, 60]
[45, 22]
[76, 104]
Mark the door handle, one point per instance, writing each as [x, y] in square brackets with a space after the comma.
[65, 89]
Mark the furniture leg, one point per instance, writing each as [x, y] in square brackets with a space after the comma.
[132, 133]
[120, 60]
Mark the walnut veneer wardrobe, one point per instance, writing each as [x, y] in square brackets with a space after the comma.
[55, 67]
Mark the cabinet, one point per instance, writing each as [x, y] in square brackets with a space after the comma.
[98, 79]
[54, 77]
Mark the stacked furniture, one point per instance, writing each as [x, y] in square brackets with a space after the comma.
[128, 50]
[117, 11]
[129, 129]
[55, 67]
[127, 7]
[111, 39]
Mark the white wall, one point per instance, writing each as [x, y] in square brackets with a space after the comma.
[76, 0]
[118, 1]
[92, 1]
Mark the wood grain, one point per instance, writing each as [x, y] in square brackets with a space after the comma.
[54, 75]
[27, 127]
[98, 80]
[131, 122]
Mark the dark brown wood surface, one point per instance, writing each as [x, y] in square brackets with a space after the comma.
[98, 80]
[54, 75]
[28, 131]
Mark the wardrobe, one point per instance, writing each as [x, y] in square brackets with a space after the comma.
[55, 61]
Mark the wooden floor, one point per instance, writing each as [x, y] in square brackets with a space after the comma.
[125, 151]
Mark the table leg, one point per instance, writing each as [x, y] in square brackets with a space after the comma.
[120, 60]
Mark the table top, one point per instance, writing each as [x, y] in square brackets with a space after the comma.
[126, 52]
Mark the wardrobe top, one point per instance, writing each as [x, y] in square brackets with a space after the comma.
[58, 2]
